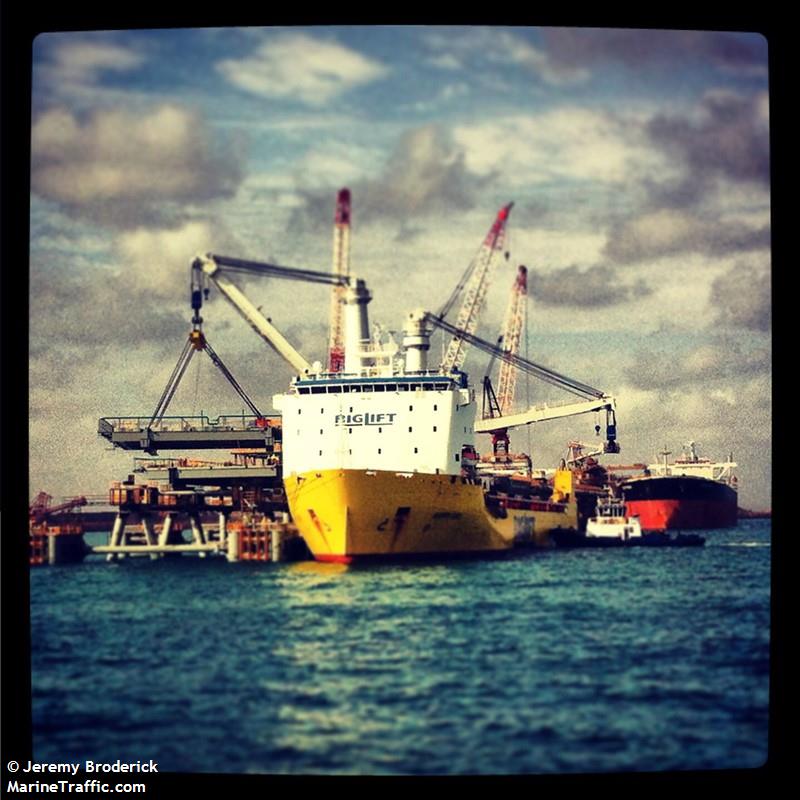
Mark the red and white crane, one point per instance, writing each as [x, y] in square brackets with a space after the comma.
[475, 284]
[513, 326]
[503, 402]
[341, 266]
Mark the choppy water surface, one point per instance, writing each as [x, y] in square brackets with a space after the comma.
[565, 661]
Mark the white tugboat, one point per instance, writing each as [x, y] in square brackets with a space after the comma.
[611, 521]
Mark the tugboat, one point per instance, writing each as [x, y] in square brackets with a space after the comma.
[611, 526]
[611, 521]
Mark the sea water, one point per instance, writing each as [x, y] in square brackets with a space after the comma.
[566, 661]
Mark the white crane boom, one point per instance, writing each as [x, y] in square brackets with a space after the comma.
[254, 317]
[543, 412]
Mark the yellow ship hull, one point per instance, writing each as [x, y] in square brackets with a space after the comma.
[350, 514]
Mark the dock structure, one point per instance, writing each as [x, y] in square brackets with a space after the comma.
[236, 522]
[192, 433]
[233, 507]
[55, 543]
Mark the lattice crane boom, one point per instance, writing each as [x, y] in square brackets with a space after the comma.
[475, 284]
[513, 326]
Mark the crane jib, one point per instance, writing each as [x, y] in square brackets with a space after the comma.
[548, 375]
[291, 273]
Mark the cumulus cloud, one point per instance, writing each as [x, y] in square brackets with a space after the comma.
[595, 286]
[300, 67]
[143, 298]
[583, 47]
[119, 168]
[566, 143]
[74, 65]
[425, 174]
[668, 232]
[741, 298]
[464, 46]
[84, 60]
[722, 360]
[727, 137]
[445, 61]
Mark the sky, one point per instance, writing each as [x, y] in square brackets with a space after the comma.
[637, 161]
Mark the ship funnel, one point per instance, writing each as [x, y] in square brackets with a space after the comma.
[416, 340]
[357, 340]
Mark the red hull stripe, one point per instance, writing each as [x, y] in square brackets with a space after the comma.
[662, 515]
[331, 559]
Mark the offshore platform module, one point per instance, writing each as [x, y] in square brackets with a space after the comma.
[378, 445]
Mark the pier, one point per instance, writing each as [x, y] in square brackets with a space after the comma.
[238, 523]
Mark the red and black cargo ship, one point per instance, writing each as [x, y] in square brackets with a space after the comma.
[691, 493]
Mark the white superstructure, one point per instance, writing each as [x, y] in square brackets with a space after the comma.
[691, 464]
[402, 423]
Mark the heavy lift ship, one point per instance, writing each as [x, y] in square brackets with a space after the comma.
[378, 451]
[379, 454]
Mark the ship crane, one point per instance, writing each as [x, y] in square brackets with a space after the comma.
[501, 404]
[211, 267]
[216, 268]
[475, 284]
[341, 266]
[594, 400]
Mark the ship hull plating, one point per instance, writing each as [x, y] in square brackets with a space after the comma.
[345, 515]
[680, 503]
